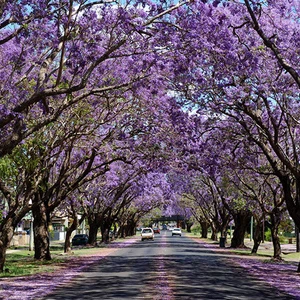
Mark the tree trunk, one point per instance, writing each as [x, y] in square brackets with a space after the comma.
[189, 226]
[224, 231]
[257, 237]
[116, 233]
[276, 247]
[104, 235]
[105, 228]
[93, 231]
[125, 231]
[6, 235]
[275, 221]
[94, 225]
[214, 233]
[131, 228]
[3, 249]
[122, 231]
[204, 229]
[74, 225]
[292, 201]
[41, 233]
[241, 220]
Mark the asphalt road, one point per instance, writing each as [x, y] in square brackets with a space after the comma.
[167, 268]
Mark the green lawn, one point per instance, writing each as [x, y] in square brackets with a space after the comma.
[20, 262]
[262, 252]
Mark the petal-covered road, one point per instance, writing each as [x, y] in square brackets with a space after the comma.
[167, 268]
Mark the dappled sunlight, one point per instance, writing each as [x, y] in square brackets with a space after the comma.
[167, 268]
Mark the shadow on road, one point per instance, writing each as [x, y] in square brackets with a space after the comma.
[185, 271]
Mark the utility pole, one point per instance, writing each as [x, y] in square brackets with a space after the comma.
[31, 237]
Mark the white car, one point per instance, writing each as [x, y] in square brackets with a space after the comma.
[147, 234]
[176, 231]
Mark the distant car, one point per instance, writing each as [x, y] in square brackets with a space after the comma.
[156, 230]
[147, 234]
[80, 239]
[176, 231]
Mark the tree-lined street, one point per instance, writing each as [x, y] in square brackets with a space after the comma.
[117, 114]
[166, 268]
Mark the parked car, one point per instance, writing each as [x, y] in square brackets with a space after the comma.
[147, 234]
[80, 239]
[156, 230]
[176, 231]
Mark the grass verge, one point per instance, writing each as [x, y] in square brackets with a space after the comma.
[20, 262]
[263, 252]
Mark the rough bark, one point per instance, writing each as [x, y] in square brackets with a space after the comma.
[292, 201]
[6, 235]
[276, 247]
[241, 220]
[131, 228]
[105, 228]
[204, 229]
[3, 249]
[214, 233]
[73, 227]
[297, 239]
[224, 231]
[189, 226]
[116, 233]
[93, 231]
[95, 222]
[105, 235]
[275, 222]
[257, 237]
[122, 231]
[41, 232]
[67, 245]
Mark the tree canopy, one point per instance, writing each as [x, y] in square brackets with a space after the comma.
[112, 109]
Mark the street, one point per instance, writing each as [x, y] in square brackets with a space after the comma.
[167, 268]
